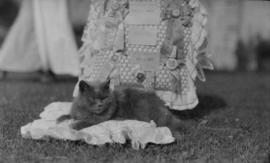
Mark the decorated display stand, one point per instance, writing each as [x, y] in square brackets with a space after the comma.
[157, 45]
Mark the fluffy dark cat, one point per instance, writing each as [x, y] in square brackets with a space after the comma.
[96, 103]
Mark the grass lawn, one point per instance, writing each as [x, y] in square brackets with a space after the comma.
[231, 124]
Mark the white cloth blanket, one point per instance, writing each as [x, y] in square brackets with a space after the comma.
[140, 133]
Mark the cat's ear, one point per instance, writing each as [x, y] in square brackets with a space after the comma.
[83, 86]
[106, 84]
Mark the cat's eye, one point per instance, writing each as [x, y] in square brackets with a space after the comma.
[91, 100]
[103, 98]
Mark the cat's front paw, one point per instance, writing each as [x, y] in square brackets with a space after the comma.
[62, 118]
[79, 125]
[75, 126]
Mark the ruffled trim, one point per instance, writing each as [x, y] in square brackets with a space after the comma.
[186, 100]
[178, 101]
[199, 42]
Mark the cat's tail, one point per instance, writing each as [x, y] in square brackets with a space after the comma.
[178, 126]
[63, 118]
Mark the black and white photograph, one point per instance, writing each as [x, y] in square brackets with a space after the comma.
[134, 81]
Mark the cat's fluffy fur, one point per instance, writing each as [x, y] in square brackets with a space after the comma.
[96, 103]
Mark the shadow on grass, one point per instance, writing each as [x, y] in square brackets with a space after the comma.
[207, 104]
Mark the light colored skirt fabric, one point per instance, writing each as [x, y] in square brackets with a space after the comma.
[41, 39]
